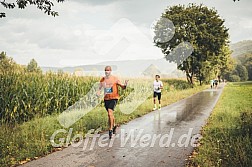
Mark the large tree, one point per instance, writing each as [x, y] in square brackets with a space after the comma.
[248, 65]
[246, 60]
[242, 72]
[8, 65]
[33, 66]
[202, 28]
[226, 63]
[44, 5]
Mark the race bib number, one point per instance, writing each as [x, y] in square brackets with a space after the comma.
[108, 90]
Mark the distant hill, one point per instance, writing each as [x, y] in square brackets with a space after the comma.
[241, 48]
[151, 71]
[137, 68]
[129, 68]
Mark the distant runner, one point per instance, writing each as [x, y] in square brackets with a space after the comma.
[157, 85]
[216, 83]
[110, 84]
[212, 83]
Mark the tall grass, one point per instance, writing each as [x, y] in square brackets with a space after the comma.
[227, 137]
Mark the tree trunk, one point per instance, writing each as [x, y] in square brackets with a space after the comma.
[189, 78]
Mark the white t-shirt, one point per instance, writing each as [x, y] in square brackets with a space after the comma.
[157, 85]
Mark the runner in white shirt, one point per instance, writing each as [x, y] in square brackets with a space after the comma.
[157, 85]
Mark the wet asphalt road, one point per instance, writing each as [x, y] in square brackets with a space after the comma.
[160, 138]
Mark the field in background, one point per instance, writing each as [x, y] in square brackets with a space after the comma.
[227, 137]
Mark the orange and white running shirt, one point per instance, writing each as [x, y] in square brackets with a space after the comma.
[110, 85]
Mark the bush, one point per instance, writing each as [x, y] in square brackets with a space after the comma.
[176, 84]
[234, 78]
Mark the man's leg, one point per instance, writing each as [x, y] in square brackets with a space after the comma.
[111, 122]
[154, 101]
[155, 106]
[114, 126]
[159, 105]
[159, 101]
[111, 118]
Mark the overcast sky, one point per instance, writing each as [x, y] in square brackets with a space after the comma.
[91, 31]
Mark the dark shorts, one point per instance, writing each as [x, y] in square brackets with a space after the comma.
[110, 104]
[157, 95]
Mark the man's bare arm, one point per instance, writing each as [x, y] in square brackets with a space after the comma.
[98, 93]
[123, 86]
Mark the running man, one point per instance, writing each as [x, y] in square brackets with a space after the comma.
[158, 85]
[216, 83]
[211, 83]
[110, 84]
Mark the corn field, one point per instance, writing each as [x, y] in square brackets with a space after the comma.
[26, 95]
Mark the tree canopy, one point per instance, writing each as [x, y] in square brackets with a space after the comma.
[9, 66]
[43, 5]
[244, 67]
[203, 29]
[33, 66]
[6, 63]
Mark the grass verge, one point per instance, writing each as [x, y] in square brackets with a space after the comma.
[227, 137]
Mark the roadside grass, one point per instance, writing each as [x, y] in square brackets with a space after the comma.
[30, 140]
[227, 137]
